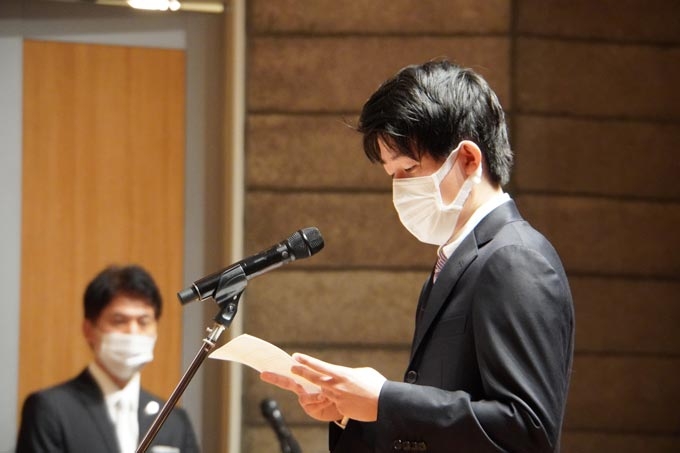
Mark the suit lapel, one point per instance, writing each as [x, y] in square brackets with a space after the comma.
[93, 401]
[436, 298]
[438, 292]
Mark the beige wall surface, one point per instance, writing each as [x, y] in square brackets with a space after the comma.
[591, 89]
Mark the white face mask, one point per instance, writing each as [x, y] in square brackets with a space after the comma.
[124, 354]
[418, 202]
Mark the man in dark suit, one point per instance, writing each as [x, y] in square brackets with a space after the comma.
[103, 409]
[493, 343]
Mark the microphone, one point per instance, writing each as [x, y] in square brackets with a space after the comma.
[301, 244]
[271, 412]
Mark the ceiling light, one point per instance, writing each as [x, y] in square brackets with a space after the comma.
[155, 5]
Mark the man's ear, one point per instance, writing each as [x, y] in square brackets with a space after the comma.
[471, 156]
[89, 332]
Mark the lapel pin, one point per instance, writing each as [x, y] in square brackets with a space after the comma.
[151, 408]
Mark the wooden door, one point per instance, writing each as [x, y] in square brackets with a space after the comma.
[103, 182]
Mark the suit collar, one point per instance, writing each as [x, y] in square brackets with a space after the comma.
[492, 223]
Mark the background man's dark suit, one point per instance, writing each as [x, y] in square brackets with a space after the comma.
[491, 354]
[72, 417]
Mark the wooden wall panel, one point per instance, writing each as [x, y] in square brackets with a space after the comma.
[577, 78]
[595, 132]
[635, 393]
[598, 442]
[359, 229]
[350, 16]
[627, 315]
[605, 158]
[592, 96]
[325, 315]
[103, 182]
[600, 236]
[328, 143]
[355, 66]
[653, 21]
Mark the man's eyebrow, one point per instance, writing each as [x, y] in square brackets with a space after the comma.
[130, 315]
[393, 157]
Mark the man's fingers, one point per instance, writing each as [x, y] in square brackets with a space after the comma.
[313, 398]
[283, 382]
[319, 407]
[317, 365]
[312, 376]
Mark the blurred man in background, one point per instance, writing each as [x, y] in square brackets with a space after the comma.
[104, 409]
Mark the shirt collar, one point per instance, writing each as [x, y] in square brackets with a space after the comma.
[112, 394]
[476, 217]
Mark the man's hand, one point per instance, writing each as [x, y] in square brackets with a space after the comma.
[353, 391]
[316, 405]
[345, 392]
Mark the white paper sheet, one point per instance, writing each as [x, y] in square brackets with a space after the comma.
[262, 356]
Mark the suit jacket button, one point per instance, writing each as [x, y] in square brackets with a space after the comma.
[411, 377]
[397, 444]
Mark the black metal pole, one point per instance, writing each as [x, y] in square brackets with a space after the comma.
[207, 346]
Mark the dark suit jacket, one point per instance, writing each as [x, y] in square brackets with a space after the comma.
[72, 417]
[491, 354]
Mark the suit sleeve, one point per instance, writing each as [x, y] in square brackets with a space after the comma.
[40, 430]
[357, 437]
[522, 321]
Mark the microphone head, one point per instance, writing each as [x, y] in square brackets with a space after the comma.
[305, 242]
[268, 407]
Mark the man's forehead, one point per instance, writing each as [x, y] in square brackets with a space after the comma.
[129, 305]
[388, 153]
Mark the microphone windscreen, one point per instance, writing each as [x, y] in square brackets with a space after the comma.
[306, 242]
[268, 406]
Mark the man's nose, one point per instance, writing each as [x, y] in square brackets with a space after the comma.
[132, 327]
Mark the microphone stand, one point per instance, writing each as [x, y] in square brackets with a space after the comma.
[227, 295]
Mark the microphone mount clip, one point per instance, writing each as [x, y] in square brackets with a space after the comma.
[230, 287]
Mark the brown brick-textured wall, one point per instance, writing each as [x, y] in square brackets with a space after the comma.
[591, 89]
